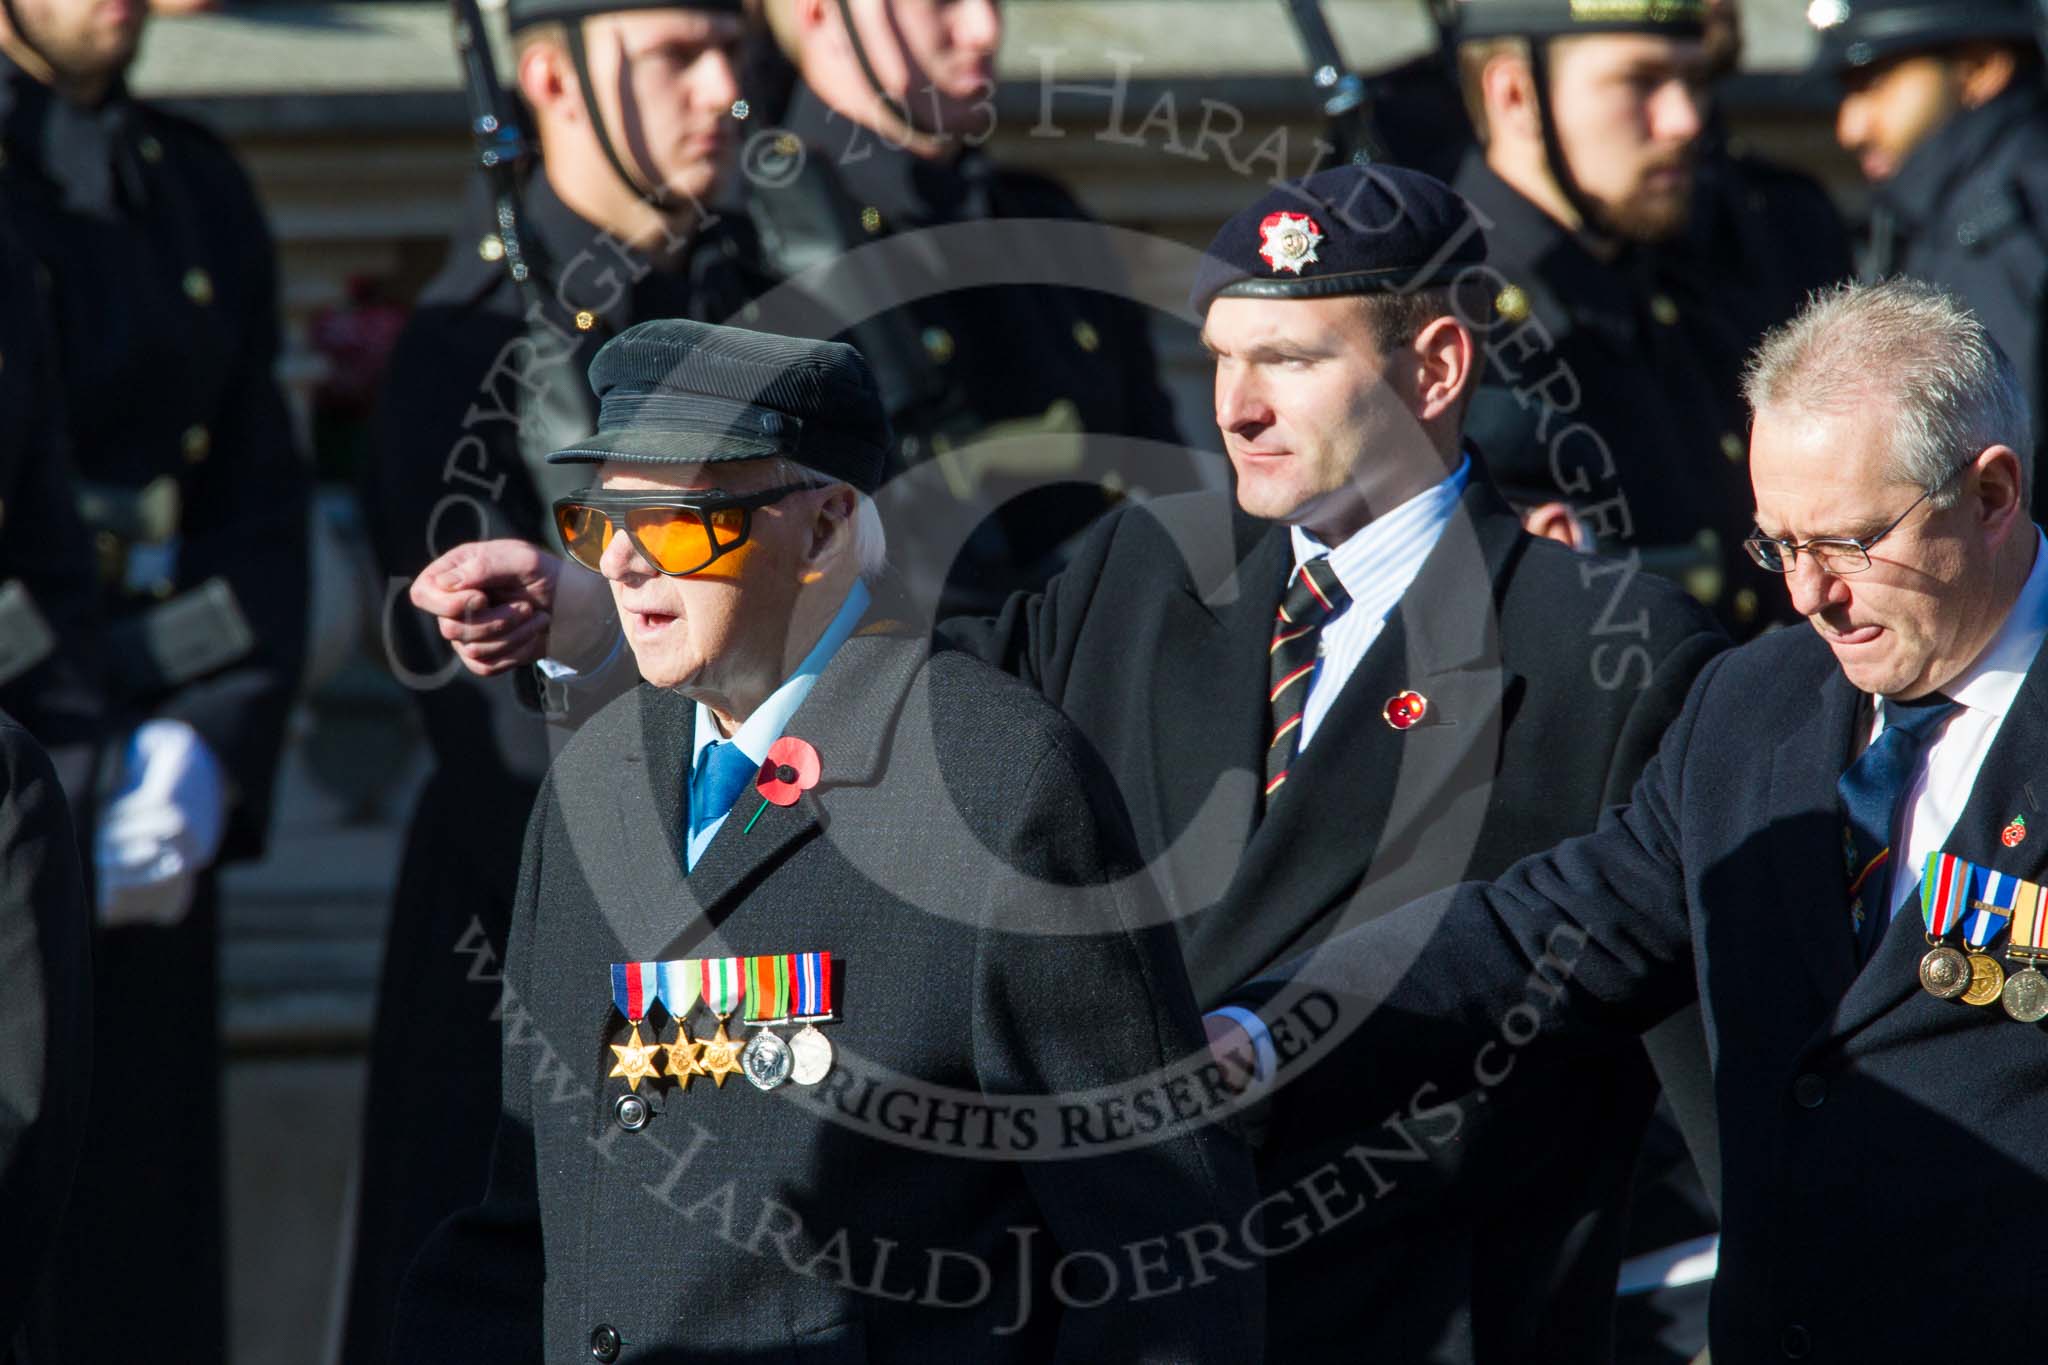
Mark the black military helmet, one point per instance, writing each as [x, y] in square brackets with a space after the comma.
[1564, 18]
[525, 13]
[1858, 33]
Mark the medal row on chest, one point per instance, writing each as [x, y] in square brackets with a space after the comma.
[1956, 894]
[776, 989]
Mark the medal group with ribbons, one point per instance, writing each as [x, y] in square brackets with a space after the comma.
[777, 989]
[1984, 905]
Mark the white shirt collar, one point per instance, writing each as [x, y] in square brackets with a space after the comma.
[1361, 559]
[1993, 682]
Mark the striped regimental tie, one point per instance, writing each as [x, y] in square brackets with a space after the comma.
[1313, 596]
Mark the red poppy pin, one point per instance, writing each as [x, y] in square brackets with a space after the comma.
[2013, 833]
[1405, 710]
[790, 770]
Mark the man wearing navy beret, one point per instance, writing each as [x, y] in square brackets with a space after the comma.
[900, 880]
[1417, 690]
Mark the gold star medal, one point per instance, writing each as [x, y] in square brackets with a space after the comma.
[723, 985]
[635, 986]
[635, 1059]
[680, 981]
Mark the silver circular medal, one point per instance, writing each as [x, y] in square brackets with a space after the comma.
[1944, 973]
[2026, 996]
[766, 1060]
[813, 1052]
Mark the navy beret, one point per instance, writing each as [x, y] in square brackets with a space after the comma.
[1859, 33]
[525, 13]
[1563, 18]
[675, 391]
[1349, 230]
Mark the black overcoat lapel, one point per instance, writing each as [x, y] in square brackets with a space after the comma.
[666, 912]
[1365, 798]
[2005, 787]
[1805, 895]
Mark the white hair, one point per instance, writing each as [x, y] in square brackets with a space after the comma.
[1951, 392]
[870, 541]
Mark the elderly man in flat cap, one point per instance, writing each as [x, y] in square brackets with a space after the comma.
[1441, 696]
[839, 1019]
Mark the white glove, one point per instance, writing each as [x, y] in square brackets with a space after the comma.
[162, 827]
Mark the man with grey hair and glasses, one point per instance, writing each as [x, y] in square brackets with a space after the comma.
[1835, 850]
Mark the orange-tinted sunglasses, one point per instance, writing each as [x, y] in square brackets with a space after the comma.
[678, 533]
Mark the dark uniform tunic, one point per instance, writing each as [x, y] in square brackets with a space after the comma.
[1763, 237]
[476, 397]
[50, 662]
[163, 292]
[1610, 387]
[1003, 360]
[45, 1032]
[1969, 211]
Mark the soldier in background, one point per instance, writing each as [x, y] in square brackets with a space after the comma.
[1611, 411]
[1763, 237]
[1611, 408]
[161, 285]
[50, 639]
[45, 1034]
[50, 700]
[1946, 112]
[892, 109]
[632, 106]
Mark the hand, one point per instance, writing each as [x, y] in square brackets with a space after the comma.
[495, 602]
[1557, 521]
[161, 828]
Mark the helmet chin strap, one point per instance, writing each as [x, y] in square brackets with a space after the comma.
[579, 59]
[897, 108]
[21, 35]
[1553, 146]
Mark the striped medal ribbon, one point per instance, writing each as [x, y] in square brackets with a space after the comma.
[766, 1057]
[2026, 990]
[682, 981]
[1944, 896]
[1991, 898]
[811, 1050]
[635, 988]
[724, 984]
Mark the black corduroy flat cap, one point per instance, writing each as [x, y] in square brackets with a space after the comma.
[673, 391]
[1349, 230]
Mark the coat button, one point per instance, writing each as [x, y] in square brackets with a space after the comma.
[1810, 1091]
[1796, 1343]
[631, 1112]
[1665, 309]
[195, 443]
[604, 1343]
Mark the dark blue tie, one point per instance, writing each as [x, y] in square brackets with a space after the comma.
[722, 774]
[1871, 791]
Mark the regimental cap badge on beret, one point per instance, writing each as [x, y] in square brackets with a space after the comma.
[1347, 230]
[1288, 241]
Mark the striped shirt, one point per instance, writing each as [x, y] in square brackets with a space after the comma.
[1375, 565]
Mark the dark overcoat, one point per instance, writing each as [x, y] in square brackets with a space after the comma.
[1880, 1147]
[965, 864]
[1549, 678]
